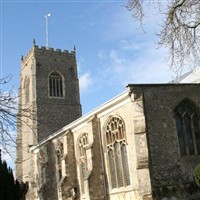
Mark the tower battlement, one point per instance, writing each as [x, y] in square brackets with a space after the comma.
[43, 49]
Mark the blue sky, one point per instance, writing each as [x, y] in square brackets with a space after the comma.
[111, 49]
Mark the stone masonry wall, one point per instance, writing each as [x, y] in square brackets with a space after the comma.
[96, 181]
[49, 189]
[45, 114]
[171, 174]
[54, 113]
[70, 182]
[131, 112]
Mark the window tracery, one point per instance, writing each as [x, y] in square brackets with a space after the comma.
[83, 144]
[117, 153]
[55, 85]
[188, 129]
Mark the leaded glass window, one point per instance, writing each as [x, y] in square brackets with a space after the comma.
[117, 153]
[55, 85]
[188, 130]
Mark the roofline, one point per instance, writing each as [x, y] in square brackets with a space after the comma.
[159, 84]
[124, 95]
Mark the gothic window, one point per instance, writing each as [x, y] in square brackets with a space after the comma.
[59, 156]
[188, 129]
[117, 153]
[27, 89]
[82, 146]
[55, 85]
[83, 143]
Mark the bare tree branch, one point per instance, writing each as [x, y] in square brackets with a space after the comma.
[11, 119]
[180, 30]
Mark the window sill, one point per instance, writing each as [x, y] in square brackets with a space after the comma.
[56, 97]
[121, 189]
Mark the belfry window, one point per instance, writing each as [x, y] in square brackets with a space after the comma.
[188, 129]
[55, 85]
[117, 153]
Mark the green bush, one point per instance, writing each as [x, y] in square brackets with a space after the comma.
[196, 175]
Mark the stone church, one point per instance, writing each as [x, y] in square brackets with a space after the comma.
[143, 144]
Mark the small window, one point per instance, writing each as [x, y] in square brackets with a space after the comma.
[188, 130]
[55, 85]
[117, 153]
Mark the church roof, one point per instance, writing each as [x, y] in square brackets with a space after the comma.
[116, 101]
[193, 76]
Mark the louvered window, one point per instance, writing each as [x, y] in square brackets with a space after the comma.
[117, 153]
[55, 85]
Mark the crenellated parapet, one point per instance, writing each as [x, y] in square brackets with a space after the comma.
[47, 50]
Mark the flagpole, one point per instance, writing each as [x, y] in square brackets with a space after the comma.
[47, 33]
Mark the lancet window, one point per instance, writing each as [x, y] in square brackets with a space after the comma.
[117, 153]
[55, 85]
[188, 129]
[82, 146]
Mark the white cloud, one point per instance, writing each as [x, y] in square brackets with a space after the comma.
[80, 63]
[147, 66]
[101, 54]
[85, 82]
[134, 58]
[129, 45]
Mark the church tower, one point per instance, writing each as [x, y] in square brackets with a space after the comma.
[48, 100]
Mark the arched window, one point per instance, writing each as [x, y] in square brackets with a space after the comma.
[117, 153]
[187, 124]
[83, 145]
[27, 89]
[55, 85]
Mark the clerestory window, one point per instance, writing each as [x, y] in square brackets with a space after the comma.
[55, 85]
[117, 153]
[188, 130]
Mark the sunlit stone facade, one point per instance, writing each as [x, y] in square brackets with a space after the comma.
[143, 144]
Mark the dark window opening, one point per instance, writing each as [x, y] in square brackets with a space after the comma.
[55, 85]
[188, 130]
